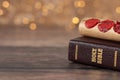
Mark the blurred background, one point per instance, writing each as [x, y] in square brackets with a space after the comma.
[49, 22]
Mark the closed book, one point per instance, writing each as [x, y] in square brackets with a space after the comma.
[95, 52]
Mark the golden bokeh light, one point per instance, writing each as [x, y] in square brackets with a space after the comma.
[117, 10]
[1, 12]
[25, 20]
[5, 4]
[51, 6]
[33, 26]
[38, 5]
[45, 11]
[79, 3]
[75, 20]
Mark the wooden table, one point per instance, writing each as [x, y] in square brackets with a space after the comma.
[46, 63]
[42, 55]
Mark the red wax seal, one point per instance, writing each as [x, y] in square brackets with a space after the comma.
[90, 23]
[116, 27]
[106, 25]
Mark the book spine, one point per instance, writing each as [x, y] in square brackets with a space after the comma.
[94, 54]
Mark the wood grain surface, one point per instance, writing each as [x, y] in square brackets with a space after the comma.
[43, 36]
[46, 63]
[42, 55]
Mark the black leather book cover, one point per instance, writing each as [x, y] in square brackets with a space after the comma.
[96, 52]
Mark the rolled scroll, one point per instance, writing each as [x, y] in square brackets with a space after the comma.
[104, 29]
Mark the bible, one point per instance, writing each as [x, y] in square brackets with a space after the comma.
[95, 52]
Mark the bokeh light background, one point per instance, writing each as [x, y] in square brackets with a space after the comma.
[65, 13]
[58, 13]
